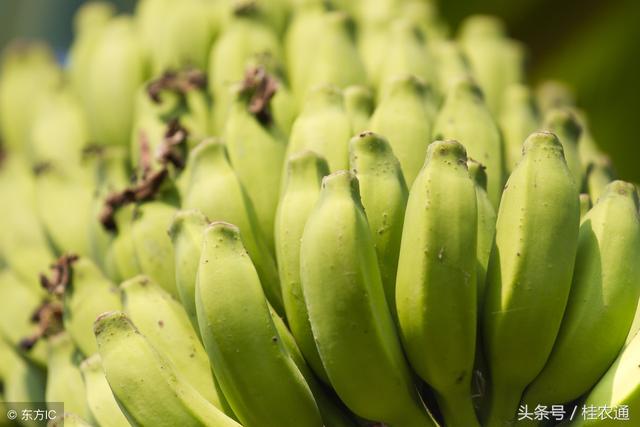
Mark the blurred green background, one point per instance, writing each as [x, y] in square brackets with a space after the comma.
[593, 45]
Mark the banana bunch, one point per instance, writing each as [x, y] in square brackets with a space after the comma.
[308, 213]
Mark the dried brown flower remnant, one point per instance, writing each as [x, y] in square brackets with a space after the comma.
[48, 317]
[61, 276]
[177, 81]
[259, 87]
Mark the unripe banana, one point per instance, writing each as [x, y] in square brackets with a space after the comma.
[519, 118]
[451, 64]
[64, 381]
[384, 194]
[604, 295]
[305, 171]
[437, 274]
[102, 404]
[122, 250]
[186, 233]
[585, 205]
[599, 175]
[209, 173]
[114, 74]
[147, 387]
[565, 125]
[21, 380]
[165, 324]
[334, 58]
[89, 294]
[323, 127]
[244, 346]
[486, 225]
[358, 101]
[426, 16]
[152, 244]
[496, 61]
[551, 94]
[529, 274]
[406, 52]
[351, 323]
[619, 386]
[465, 117]
[16, 316]
[256, 150]
[23, 243]
[29, 75]
[405, 117]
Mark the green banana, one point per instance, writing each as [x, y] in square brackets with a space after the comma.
[585, 205]
[465, 117]
[351, 322]
[115, 72]
[146, 385]
[599, 175]
[451, 64]
[384, 195]
[529, 273]
[406, 52]
[152, 244]
[618, 387]
[244, 346]
[256, 148]
[564, 124]
[103, 406]
[519, 118]
[209, 173]
[305, 170]
[186, 233]
[324, 127]
[496, 60]
[405, 117]
[29, 75]
[89, 294]
[122, 250]
[64, 381]
[358, 102]
[551, 94]
[486, 225]
[16, 317]
[165, 324]
[437, 274]
[604, 295]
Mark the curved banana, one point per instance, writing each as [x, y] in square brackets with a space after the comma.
[529, 273]
[259, 379]
[146, 385]
[90, 294]
[618, 387]
[599, 175]
[603, 299]
[152, 244]
[256, 149]
[324, 127]
[564, 124]
[436, 290]
[186, 232]
[496, 60]
[103, 406]
[518, 119]
[405, 117]
[384, 195]
[165, 324]
[209, 173]
[451, 64]
[465, 117]
[585, 205]
[305, 171]
[64, 381]
[351, 322]
[486, 225]
[358, 102]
